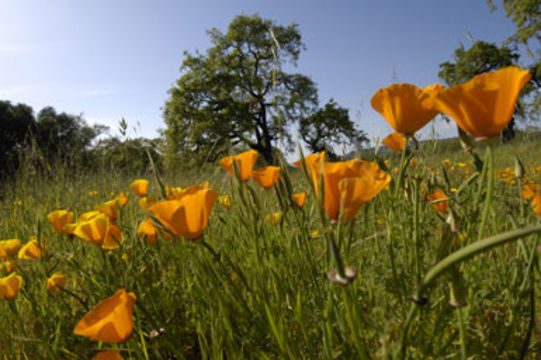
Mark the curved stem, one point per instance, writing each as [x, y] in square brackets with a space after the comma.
[490, 186]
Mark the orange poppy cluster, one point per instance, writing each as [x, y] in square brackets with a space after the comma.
[266, 176]
[482, 106]
[347, 185]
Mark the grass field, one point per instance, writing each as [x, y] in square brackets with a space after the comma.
[260, 287]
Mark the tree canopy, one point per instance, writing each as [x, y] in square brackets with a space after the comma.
[330, 126]
[237, 93]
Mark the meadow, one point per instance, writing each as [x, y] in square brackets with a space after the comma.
[431, 251]
[259, 285]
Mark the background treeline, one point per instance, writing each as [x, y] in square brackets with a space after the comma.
[50, 139]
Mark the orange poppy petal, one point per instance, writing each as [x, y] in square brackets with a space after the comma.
[267, 176]
[395, 141]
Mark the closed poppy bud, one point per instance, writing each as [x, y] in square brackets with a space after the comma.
[406, 107]
[395, 141]
[187, 217]
[273, 218]
[8, 248]
[148, 231]
[111, 320]
[108, 355]
[267, 176]
[299, 199]
[484, 105]
[7, 267]
[59, 218]
[245, 163]
[33, 250]
[438, 200]
[226, 201]
[122, 199]
[139, 187]
[10, 286]
[93, 230]
[57, 280]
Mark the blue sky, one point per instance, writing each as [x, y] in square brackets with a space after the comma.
[114, 59]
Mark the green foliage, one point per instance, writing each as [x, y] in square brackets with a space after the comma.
[481, 57]
[330, 126]
[17, 123]
[237, 92]
[128, 156]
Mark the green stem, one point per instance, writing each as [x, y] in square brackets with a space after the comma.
[488, 195]
[402, 168]
[407, 325]
[462, 332]
[471, 250]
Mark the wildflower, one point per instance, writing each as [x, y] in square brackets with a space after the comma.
[314, 233]
[172, 191]
[356, 191]
[146, 202]
[122, 199]
[109, 208]
[395, 141]
[57, 280]
[93, 229]
[10, 286]
[245, 162]
[438, 200]
[266, 176]
[413, 163]
[299, 199]
[367, 180]
[8, 248]
[139, 187]
[528, 191]
[59, 218]
[92, 193]
[113, 239]
[111, 320]
[108, 355]
[33, 250]
[17, 203]
[484, 105]
[7, 267]
[187, 216]
[148, 231]
[406, 107]
[226, 201]
[273, 218]
[446, 162]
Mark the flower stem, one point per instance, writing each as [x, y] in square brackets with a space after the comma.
[490, 186]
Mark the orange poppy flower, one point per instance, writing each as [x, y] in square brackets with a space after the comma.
[8, 248]
[148, 231]
[245, 162]
[111, 320]
[109, 208]
[139, 187]
[146, 202]
[122, 199]
[357, 191]
[59, 218]
[536, 203]
[314, 166]
[33, 250]
[94, 229]
[439, 200]
[267, 176]
[179, 193]
[187, 217]
[10, 286]
[299, 199]
[333, 172]
[528, 191]
[57, 280]
[406, 107]
[484, 105]
[395, 141]
[113, 239]
[108, 355]
[7, 267]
